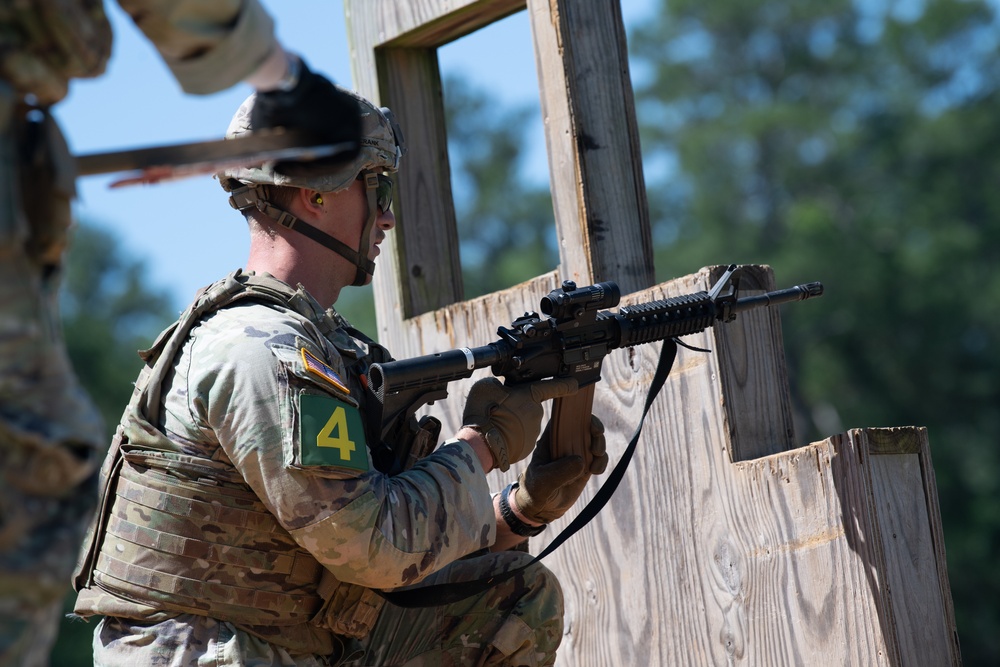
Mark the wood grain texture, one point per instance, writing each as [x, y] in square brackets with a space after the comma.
[595, 165]
[422, 23]
[755, 379]
[727, 543]
[425, 239]
[778, 560]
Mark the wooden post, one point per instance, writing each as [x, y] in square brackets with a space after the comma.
[727, 542]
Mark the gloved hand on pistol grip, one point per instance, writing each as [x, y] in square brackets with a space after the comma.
[546, 489]
[510, 418]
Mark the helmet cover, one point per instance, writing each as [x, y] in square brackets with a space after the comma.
[381, 147]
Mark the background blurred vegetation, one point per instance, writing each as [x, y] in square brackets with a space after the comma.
[854, 143]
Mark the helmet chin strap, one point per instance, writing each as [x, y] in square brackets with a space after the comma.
[243, 196]
[363, 271]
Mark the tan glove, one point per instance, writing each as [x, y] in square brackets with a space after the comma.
[510, 418]
[546, 489]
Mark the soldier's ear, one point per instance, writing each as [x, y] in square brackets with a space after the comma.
[312, 200]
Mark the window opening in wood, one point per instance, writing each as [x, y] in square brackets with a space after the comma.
[496, 148]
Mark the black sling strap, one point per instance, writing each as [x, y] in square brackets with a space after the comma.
[447, 593]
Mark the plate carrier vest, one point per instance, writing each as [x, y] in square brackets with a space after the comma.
[263, 581]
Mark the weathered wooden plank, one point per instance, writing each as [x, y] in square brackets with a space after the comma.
[750, 563]
[779, 560]
[411, 24]
[937, 538]
[724, 544]
[808, 601]
[423, 23]
[421, 270]
[595, 165]
[911, 554]
[896, 441]
[753, 381]
[427, 269]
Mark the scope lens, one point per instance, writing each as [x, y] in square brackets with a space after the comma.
[561, 304]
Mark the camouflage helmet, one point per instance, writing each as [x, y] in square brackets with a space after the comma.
[381, 147]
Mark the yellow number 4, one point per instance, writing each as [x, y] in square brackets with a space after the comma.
[335, 434]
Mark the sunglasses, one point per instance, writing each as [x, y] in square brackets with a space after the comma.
[383, 192]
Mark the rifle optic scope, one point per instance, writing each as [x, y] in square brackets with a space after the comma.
[568, 302]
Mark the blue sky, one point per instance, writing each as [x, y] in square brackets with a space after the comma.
[184, 231]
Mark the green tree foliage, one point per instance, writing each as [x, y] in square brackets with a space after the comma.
[357, 304]
[506, 226]
[109, 313]
[853, 143]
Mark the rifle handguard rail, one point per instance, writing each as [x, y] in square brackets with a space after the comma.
[571, 340]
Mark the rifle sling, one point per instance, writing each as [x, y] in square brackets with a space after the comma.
[448, 593]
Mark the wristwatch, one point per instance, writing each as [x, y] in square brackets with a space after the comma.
[517, 526]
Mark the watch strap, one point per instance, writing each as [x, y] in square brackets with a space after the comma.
[516, 526]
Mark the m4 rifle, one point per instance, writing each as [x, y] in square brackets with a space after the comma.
[571, 338]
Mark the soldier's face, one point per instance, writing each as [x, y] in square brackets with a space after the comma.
[351, 214]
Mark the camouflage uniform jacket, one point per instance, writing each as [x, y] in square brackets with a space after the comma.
[240, 487]
[208, 45]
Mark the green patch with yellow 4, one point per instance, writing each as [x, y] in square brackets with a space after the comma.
[331, 433]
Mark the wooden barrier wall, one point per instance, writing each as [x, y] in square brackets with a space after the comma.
[728, 543]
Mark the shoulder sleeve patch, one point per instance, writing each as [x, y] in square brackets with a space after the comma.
[331, 433]
[317, 367]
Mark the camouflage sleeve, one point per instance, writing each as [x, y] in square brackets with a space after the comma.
[291, 426]
[209, 45]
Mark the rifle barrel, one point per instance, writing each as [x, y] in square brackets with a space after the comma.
[797, 293]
